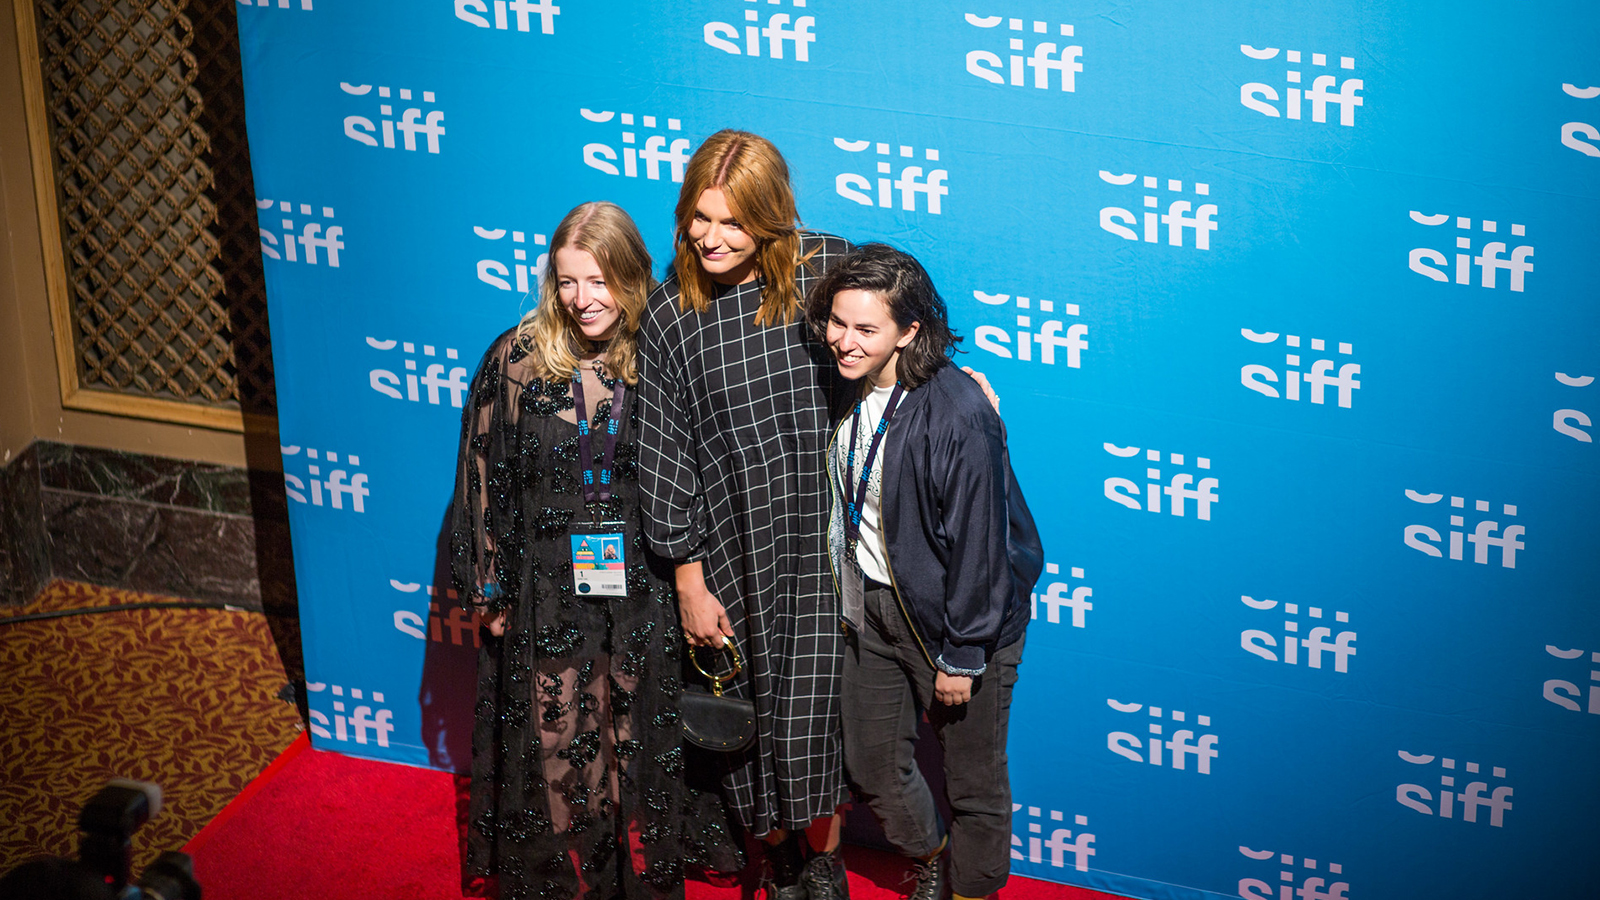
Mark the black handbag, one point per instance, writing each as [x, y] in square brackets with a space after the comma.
[712, 721]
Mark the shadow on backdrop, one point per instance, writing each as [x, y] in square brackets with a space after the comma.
[219, 81]
[449, 689]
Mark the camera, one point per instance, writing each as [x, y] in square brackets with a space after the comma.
[103, 869]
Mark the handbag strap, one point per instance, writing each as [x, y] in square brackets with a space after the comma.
[718, 680]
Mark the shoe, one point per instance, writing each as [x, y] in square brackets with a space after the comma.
[825, 878]
[785, 871]
[932, 877]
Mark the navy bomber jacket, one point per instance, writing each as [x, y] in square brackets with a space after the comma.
[964, 554]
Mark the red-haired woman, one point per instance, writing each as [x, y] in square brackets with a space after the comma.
[736, 394]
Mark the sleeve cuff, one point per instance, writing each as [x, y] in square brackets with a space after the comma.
[676, 542]
[677, 552]
[967, 661]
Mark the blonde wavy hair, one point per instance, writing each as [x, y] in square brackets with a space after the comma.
[550, 334]
[754, 180]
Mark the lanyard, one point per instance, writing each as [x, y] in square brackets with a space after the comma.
[585, 454]
[853, 523]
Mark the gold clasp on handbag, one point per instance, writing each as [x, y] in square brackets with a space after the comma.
[716, 680]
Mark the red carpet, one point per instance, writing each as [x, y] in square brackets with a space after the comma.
[321, 826]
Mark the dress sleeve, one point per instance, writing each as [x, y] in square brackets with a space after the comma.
[483, 509]
[978, 585]
[669, 468]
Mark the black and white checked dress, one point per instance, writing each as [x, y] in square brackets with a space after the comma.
[735, 430]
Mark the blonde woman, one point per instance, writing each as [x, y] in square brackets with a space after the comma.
[577, 786]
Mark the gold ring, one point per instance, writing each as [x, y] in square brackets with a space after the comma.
[717, 681]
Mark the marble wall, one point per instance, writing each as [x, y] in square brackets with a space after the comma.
[146, 523]
[24, 558]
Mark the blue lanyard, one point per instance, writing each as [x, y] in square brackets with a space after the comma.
[585, 454]
[853, 522]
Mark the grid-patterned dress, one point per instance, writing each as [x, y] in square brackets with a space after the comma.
[735, 428]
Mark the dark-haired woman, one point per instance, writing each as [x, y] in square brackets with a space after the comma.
[936, 553]
[736, 399]
[577, 787]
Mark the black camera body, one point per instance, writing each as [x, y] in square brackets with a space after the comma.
[104, 867]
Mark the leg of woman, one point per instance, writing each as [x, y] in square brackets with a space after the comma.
[823, 834]
[977, 778]
[881, 718]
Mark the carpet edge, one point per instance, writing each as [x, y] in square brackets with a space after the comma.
[299, 744]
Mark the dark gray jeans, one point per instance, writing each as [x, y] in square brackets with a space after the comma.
[887, 684]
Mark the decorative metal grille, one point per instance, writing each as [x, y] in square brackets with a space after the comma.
[163, 269]
[220, 80]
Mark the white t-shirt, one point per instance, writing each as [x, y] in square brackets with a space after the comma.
[871, 555]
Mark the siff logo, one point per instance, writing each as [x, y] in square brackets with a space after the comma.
[1261, 378]
[912, 180]
[433, 378]
[1489, 259]
[1567, 694]
[1050, 335]
[413, 120]
[1325, 89]
[474, 12]
[781, 28]
[1059, 593]
[348, 725]
[282, 4]
[1570, 132]
[1044, 58]
[654, 151]
[527, 275]
[1116, 220]
[1423, 539]
[1571, 422]
[457, 621]
[336, 485]
[1059, 843]
[1181, 746]
[1316, 642]
[1313, 887]
[1417, 797]
[1182, 488]
[304, 245]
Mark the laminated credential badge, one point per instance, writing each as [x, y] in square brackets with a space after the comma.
[599, 567]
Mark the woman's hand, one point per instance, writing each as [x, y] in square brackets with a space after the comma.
[495, 623]
[704, 618]
[952, 690]
[705, 621]
[988, 390]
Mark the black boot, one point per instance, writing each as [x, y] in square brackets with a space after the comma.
[932, 876]
[786, 867]
[824, 877]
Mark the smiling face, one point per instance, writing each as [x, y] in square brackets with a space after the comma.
[864, 338]
[582, 288]
[726, 251]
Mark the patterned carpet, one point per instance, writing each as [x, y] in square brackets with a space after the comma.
[184, 698]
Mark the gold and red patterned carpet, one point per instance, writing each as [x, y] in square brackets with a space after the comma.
[186, 698]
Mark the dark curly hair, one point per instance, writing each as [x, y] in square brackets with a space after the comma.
[905, 287]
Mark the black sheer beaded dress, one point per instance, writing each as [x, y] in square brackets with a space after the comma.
[578, 787]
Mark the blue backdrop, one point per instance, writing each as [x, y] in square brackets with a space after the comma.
[1292, 306]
